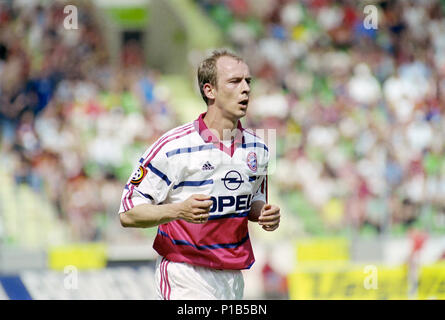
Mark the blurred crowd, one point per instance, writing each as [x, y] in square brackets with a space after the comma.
[71, 123]
[359, 111]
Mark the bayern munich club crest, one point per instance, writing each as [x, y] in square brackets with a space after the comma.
[252, 161]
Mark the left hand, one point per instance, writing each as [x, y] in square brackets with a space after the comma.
[270, 217]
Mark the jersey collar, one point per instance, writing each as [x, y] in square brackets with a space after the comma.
[208, 136]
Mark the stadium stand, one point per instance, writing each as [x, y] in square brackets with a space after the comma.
[360, 137]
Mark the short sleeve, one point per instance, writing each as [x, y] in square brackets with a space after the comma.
[261, 192]
[150, 181]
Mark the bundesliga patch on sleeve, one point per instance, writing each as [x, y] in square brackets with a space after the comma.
[138, 175]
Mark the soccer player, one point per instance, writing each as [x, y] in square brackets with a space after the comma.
[201, 183]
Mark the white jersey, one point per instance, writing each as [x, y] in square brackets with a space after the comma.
[190, 160]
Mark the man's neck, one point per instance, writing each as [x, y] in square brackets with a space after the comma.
[218, 124]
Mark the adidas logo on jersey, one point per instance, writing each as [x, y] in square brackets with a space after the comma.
[207, 166]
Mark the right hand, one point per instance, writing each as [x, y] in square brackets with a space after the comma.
[196, 208]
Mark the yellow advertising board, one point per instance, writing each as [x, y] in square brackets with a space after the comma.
[330, 281]
[432, 282]
[322, 249]
[81, 256]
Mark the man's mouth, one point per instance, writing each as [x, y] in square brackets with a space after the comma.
[244, 102]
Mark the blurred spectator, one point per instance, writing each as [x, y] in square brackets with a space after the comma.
[61, 103]
[359, 113]
[275, 284]
[362, 107]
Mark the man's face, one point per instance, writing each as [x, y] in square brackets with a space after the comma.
[232, 87]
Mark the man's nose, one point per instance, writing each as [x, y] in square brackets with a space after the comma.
[246, 87]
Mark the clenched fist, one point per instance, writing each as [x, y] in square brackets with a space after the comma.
[269, 218]
[196, 208]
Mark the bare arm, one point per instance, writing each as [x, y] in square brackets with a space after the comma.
[149, 215]
[195, 210]
[255, 210]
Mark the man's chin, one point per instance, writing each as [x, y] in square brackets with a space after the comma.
[240, 114]
[237, 113]
[242, 111]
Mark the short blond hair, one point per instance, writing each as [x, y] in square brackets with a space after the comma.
[207, 71]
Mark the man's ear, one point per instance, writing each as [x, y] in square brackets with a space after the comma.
[209, 91]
